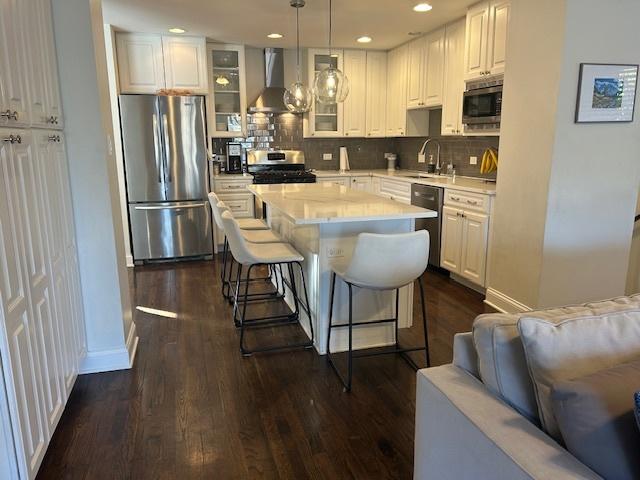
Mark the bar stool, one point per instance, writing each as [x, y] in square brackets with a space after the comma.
[251, 235]
[400, 259]
[251, 255]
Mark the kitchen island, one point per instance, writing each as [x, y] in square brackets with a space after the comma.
[322, 221]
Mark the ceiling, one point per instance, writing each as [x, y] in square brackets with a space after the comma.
[248, 22]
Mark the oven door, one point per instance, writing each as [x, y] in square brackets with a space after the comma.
[483, 105]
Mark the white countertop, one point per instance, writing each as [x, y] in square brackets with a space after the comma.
[315, 203]
[469, 184]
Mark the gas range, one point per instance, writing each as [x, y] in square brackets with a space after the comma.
[278, 166]
[284, 176]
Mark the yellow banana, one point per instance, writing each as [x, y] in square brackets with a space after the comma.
[489, 161]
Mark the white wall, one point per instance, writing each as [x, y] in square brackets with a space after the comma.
[566, 192]
[94, 185]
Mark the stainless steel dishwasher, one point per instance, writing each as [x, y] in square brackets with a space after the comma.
[429, 197]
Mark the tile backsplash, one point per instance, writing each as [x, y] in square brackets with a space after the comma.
[285, 131]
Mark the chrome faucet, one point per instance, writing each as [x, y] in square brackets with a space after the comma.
[424, 149]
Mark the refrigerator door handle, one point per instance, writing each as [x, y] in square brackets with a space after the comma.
[167, 147]
[169, 207]
[156, 147]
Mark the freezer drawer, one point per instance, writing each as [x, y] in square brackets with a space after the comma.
[170, 230]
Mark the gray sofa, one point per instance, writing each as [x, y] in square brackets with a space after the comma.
[481, 416]
[464, 431]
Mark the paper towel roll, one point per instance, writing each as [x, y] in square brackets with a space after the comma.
[344, 159]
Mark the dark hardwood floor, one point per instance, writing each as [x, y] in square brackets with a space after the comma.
[193, 407]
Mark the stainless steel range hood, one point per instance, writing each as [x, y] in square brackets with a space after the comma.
[270, 99]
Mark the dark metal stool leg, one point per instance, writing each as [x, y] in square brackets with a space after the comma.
[424, 322]
[333, 288]
[306, 301]
[350, 337]
[244, 351]
[235, 296]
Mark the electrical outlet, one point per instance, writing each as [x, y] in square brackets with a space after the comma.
[333, 252]
[422, 158]
[327, 156]
[473, 160]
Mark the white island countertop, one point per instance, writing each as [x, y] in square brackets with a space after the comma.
[317, 203]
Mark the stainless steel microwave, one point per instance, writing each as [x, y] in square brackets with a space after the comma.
[482, 104]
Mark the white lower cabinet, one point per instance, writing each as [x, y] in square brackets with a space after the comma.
[361, 183]
[465, 235]
[396, 190]
[337, 180]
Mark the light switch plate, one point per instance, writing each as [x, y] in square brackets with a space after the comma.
[422, 158]
[333, 252]
[327, 156]
[473, 160]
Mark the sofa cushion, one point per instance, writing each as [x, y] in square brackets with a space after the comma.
[595, 414]
[574, 348]
[501, 360]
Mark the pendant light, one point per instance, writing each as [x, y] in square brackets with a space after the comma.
[297, 98]
[331, 85]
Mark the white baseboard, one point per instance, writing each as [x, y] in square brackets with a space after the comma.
[110, 360]
[503, 303]
[129, 260]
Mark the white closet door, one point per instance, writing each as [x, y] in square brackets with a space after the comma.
[20, 264]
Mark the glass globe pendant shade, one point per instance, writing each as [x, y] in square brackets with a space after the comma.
[297, 98]
[331, 86]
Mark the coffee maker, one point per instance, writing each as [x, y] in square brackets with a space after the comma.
[234, 158]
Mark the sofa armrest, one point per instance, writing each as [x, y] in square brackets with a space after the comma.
[465, 355]
[463, 431]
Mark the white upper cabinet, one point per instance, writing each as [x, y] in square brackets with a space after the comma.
[434, 74]
[475, 50]
[499, 13]
[324, 120]
[453, 79]
[355, 105]
[397, 92]
[13, 91]
[44, 88]
[376, 96]
[148, 63]
[185, 63]
[227, 101]
[140, 62]
[417, 59]
[486, 38]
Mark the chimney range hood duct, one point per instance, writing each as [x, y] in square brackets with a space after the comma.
[270, 99]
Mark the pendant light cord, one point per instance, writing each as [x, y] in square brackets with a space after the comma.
[298, 43]
[330, 28]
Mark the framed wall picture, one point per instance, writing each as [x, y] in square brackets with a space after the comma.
[606, 93]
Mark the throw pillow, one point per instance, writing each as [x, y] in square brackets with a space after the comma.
[595, 414]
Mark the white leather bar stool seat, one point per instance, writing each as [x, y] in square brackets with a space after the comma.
[380, 262]
[252, 224]
[247, 253]
[245, 223]
[385, 262]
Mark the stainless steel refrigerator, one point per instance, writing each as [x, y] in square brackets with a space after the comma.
[165, 160]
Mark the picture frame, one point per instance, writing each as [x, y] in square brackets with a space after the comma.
[606, 93]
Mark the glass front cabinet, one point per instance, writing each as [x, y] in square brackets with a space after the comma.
[227, 102]
[323, 120]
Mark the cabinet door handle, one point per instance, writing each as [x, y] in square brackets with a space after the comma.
[54, 138]
[9, 115]
[472, 202]
[234, 187]
[455, 199]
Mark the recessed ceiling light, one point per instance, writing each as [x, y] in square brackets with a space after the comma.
[363, 39]
[422, 7]
[177, 30]
[275, 35]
